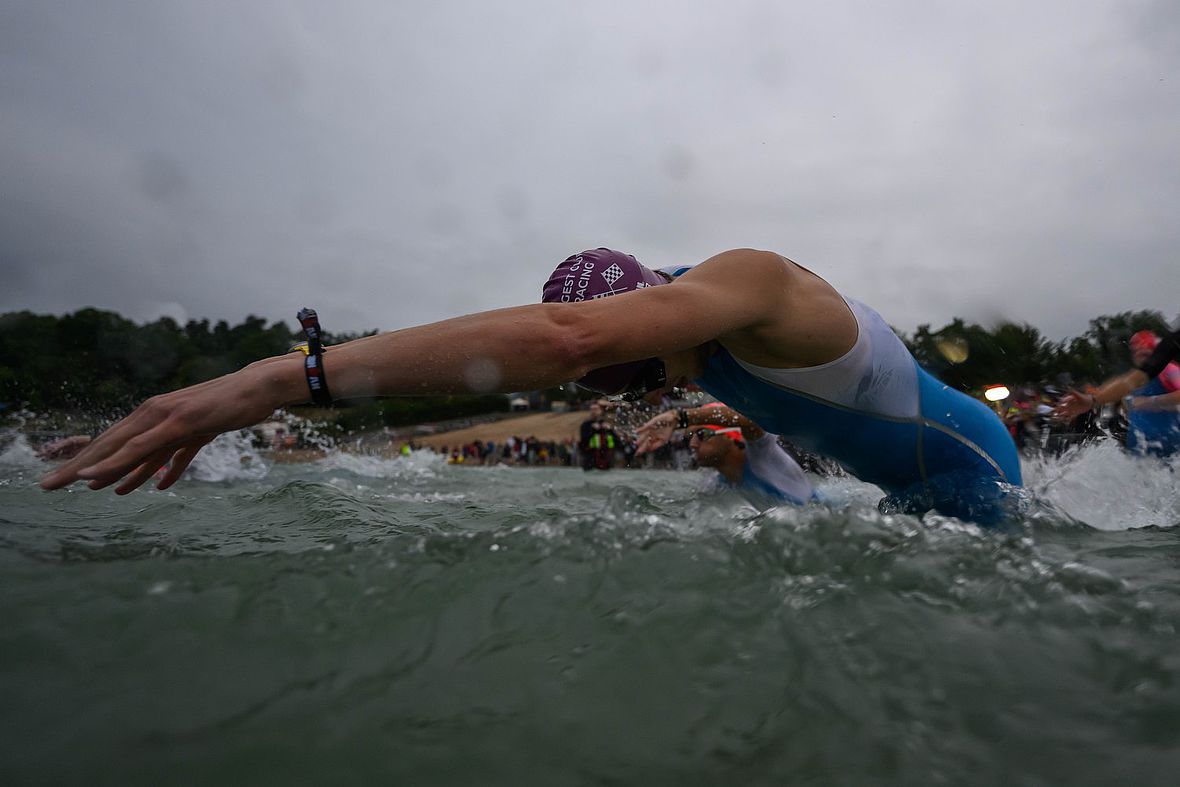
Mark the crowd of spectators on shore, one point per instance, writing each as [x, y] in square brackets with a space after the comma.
[599, 446]
[530, 451]
[1027, 413]
[512, 451]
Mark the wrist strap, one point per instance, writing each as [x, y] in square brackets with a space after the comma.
[313, 358]
[681, 418]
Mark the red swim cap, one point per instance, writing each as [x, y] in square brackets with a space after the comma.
[1143, 340]
[732, 432]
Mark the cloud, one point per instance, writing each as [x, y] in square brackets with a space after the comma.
[393, 164]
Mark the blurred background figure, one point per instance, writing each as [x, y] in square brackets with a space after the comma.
[65, 448]
[598, 439]
[1150, 394]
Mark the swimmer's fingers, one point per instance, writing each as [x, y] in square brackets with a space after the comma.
[653, 434]
[173, 421]
[99, 449]
[643, 444]
[180, 462]
[646, 446]
[1072, 405]
[178, 420]
[136, 478]
[133, 439]
[137, 450]
[654, 422]
[650, 442]
[648, 430]
[642, 440]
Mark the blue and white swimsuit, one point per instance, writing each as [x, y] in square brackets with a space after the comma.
[885, 419]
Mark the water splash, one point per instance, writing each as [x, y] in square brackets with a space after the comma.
[1103, 486]
[421, 464]
[230, 457]
[15, 450]
[307, 433]
[629, 416]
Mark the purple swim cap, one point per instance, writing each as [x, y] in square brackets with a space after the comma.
[597, 274]
[600, 273]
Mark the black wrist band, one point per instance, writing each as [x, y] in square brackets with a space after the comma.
[313, 358]
[682, 418]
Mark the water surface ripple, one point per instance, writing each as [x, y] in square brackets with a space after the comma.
[406, 620]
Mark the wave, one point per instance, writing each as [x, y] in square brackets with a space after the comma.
[15, 451]
[1103, 486]
[230, 457]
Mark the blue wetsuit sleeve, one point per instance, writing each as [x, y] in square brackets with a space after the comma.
[1165, 352]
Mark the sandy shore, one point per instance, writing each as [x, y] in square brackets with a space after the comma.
[543, 426]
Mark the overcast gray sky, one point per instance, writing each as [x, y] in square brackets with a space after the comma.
[393, 163]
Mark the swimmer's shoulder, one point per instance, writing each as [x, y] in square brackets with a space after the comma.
[745, 262]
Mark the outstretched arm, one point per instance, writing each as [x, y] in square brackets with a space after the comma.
[1115, 389]
[658, 431]
[521, 348]
[508, 349]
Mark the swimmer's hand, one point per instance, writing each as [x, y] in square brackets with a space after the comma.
[655, 433]
[1073, 404]
[170, 429]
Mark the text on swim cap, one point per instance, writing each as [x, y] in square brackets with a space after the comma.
[579, 273]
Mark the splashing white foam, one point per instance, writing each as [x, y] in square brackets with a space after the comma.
[1107, 488]
[15, 450]
[417, 464]
[231, 457]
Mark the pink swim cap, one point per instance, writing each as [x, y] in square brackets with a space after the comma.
[600, 273]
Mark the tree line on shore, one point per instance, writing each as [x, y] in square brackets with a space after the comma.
[98, 361]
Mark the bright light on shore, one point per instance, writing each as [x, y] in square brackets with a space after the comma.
[996, 393]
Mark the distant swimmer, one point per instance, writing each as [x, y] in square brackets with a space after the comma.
[767, 336]
[64, 448]
[746, 457]
[1150, 392]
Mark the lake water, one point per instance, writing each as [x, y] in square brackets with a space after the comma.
[360, 619]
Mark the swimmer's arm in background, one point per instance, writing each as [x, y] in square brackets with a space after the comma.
[521, 348]
[1116, 389]
[727, 416]
[658, 431]
[1168, 401]
[750, 430]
